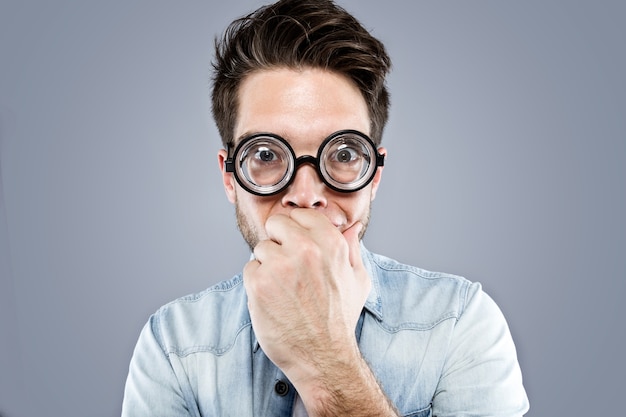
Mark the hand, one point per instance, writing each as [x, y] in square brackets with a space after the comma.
[306, 289]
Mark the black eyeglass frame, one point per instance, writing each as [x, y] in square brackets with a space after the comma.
[296, 162]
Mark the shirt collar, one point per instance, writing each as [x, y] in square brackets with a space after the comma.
[373, 304]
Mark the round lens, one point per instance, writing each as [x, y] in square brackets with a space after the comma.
[264, 164]
[346, 161]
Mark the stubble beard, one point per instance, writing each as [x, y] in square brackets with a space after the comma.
[248, 231]
[251, 235]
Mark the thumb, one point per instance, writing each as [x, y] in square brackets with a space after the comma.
[351, 235]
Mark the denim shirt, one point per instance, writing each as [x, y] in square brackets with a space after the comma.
[438, 345]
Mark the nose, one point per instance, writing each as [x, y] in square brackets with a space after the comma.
[306, 190]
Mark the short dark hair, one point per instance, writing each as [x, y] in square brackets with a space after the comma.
[298, 34]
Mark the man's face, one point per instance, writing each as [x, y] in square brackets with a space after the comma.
[304, 107]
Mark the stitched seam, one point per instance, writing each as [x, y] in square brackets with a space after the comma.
[416, 326]
[181, 353]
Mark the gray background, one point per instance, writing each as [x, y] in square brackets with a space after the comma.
[507, 145]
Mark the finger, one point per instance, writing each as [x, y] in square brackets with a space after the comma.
[249, 270]
[310, 219]
[351, 235]
[278, 227]
[265, 250]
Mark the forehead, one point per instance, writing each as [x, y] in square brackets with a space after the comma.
[303, 106]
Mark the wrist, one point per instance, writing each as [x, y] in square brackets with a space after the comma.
[346, 387]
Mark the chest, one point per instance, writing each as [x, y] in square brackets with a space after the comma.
[406, 361]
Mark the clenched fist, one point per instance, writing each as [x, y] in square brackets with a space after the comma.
[306, 289]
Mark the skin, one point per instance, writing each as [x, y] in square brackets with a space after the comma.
[307, 285]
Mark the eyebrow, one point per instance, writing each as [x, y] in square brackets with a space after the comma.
[284, 136]
[233, 143]
[249, 133]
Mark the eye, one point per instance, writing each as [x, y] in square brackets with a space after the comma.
[265, 154]
[345, 154]
[266, 158]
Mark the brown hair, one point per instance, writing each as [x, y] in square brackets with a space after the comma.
[297, 34]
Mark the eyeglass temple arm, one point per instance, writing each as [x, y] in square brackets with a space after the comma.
[380, 159]
[229, 165]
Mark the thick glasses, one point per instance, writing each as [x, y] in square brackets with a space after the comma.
[265, 164]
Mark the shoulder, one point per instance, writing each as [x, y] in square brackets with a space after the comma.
[423, 298]
[220, 311]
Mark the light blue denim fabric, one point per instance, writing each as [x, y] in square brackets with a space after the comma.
[437, 343]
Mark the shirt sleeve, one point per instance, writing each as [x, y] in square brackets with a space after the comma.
[481, 375]
[152, 386]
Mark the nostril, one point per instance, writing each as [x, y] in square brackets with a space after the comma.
[303, 204]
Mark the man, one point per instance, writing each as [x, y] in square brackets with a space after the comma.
[316, 324]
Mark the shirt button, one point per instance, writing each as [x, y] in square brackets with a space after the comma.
[281, 388]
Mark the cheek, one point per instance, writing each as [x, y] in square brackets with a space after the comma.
[256, 209]
[357, 206]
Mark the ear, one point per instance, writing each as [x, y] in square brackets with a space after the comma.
[378, 175]
[228, 179]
